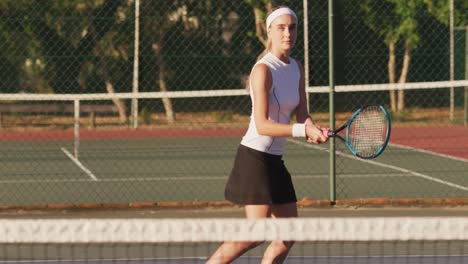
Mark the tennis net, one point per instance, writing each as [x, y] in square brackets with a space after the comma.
[317, 240]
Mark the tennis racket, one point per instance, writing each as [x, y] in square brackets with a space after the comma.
[366, 133]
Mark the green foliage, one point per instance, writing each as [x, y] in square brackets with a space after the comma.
[78, 46]
[224, 116]
[440, 9]
[52, 43]
[145, 115]
[401, 116]
[393, 19]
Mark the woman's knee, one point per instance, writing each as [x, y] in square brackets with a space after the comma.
[288, 244]
[251, 244]
[284, 245]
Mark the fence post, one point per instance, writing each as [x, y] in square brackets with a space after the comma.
[452, 61]
[331, 78]
[306, 51]
[134, 117]
[465, 114]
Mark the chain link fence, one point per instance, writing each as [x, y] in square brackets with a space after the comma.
[69, 77]
[401, 42]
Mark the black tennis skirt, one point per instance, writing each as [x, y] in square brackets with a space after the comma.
[259, 178]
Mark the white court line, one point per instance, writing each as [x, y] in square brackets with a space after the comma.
[78, 163]
[116, 180]
[224, 178]
[417, 174]
[429, 152]
[296, 176]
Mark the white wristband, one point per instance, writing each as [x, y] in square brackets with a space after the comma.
[298, 130]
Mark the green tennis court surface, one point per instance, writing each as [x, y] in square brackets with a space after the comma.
[192, 253]
[196, 169]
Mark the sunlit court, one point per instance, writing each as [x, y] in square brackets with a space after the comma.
[243, 131]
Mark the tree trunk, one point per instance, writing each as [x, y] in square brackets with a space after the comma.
[391, 73]
[260, 27]
[170, 116]
[118, 103]
[404, 75]
[58, 55]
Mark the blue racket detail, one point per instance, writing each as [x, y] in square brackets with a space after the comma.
[367, 131]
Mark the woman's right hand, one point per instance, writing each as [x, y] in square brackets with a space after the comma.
[314, 133]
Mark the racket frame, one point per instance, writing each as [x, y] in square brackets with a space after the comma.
[348, 124]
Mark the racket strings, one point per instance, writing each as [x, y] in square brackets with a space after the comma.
[368, 131]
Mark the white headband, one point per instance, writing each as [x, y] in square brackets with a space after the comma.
[279, 12]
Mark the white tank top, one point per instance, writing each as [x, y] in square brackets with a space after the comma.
[282, 101]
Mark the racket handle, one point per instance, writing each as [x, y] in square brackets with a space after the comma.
[326, 132]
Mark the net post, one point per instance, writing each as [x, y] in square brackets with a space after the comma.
[331, 101]
[76, 137]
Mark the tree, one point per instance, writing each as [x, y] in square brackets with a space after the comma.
[440, 9]
[395, 21]
[53, 50]
[17, 68]
[64, 46]
[188, 45]
[112, 58]
[260, 9]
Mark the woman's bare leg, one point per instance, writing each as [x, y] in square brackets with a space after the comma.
[278, 250]
[229, 251]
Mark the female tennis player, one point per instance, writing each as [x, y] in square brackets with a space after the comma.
[259, 179]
